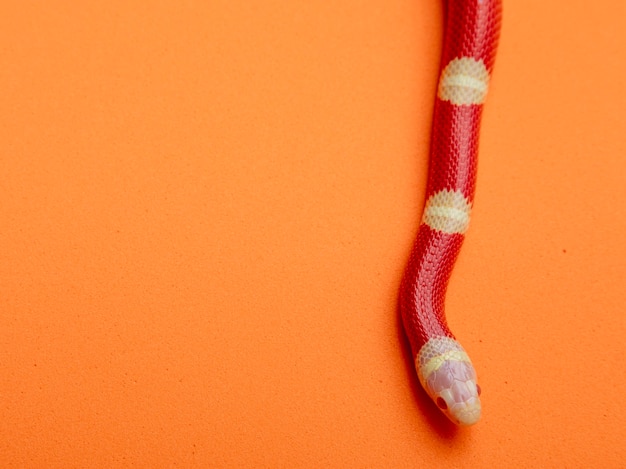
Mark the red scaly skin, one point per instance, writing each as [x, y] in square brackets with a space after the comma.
[445, 371]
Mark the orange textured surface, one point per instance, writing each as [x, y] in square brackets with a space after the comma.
[207, 207]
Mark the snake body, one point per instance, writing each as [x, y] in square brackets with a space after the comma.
[443, 367]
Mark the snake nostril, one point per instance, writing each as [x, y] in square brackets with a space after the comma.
[442, 403]
[478, 389]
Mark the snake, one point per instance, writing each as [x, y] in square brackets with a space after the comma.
[444, 369]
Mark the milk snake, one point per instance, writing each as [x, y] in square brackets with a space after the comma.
[443, 367]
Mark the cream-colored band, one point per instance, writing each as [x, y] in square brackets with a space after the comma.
[447, 211]
[435, 363]
[464, 80]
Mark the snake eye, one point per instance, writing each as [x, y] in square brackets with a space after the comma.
[478, 389]
[442, 403]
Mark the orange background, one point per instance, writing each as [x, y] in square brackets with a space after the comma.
[206, 208]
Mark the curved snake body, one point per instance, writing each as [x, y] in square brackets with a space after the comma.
[443, 367]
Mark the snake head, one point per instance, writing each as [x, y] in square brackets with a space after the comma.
[449, 378]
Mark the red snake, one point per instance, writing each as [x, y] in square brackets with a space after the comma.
[443, 367]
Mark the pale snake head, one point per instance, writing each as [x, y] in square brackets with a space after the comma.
[449, 378]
